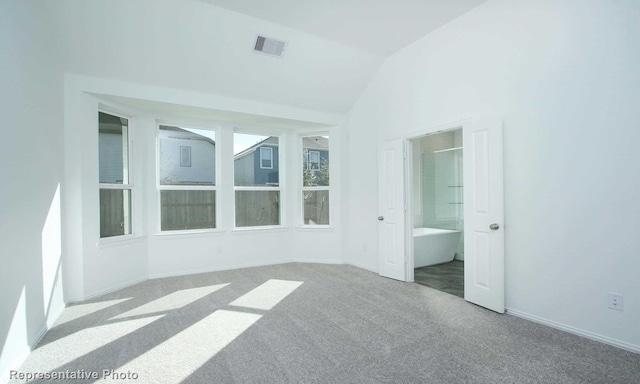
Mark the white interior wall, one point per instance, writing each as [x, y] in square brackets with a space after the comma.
[361, 202]
[92, 266]
[31, 153]
[563, 77]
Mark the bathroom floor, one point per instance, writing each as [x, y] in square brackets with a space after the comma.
[446, 277]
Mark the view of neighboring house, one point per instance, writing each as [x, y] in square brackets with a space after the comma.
[315, 160]
[258, 164]
[110, 139]
[186, 158]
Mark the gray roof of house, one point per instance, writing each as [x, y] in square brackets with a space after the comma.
[316, 142]
[184, 134]
[272, 140]
[313, 142]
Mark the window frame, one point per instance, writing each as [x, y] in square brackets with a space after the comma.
[302, 189]
[188, 148]
[270, 155]
[267, 187]
[129, 186]
[163, 187]
[316, 162]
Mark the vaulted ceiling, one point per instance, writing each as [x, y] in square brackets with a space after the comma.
[378, 26]
[335, 46]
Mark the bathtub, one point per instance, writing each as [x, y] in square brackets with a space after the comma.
[434, 246]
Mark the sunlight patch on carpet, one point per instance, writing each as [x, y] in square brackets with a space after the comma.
[178, 357]
[172, 301]
[61, 351]
[267, 295]
[80, 310]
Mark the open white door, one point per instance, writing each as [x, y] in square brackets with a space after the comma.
[391, 210]
[484, 214]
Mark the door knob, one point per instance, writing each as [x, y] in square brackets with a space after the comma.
[494, 226]
[380, 218]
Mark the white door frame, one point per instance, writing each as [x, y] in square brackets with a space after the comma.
[484, 279]
[408, 166]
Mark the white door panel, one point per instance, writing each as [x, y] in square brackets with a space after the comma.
[391, 210]
[483, 207]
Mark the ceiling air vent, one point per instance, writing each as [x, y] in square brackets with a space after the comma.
[269, 46]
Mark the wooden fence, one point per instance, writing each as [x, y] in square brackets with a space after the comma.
[187, 210]
[180, 210]
[112, 212]
[316, 207]
[257, 208]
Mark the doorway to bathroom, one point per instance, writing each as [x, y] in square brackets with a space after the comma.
[483, 209]
[437, 211]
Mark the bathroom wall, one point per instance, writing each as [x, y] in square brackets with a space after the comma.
[437, 181]
[416, 183]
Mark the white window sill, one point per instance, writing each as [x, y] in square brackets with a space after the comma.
[118, 241]
[186, 234]
[314, 228]
[264, 229]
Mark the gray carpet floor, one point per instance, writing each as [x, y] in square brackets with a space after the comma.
[445, 277]
[341, 325]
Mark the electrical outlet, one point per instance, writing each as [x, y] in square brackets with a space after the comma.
[615, 301]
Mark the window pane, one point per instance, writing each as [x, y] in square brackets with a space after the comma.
[266, 157]
[257, 208]
[187, 210]
[315, 161]
[115, 212]
[113, 149]
[316, 207]
[255, 160]
[187, 156]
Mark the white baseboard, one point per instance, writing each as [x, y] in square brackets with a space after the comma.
[575, 331]
[105, 291]
[319, 261]
[54, 317]
[39, 337]
[361, 266]
[240, 266]
[216, 269]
